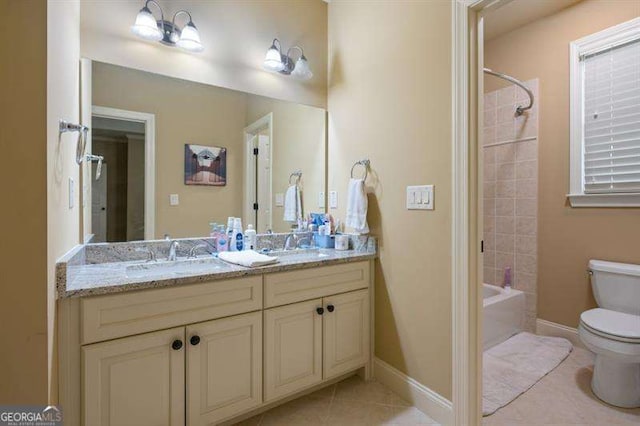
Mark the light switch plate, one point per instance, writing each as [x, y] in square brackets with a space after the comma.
[174, 199]
[420, 197]
[321, 200]
[72, 193]
[333, 199]
[279, 200]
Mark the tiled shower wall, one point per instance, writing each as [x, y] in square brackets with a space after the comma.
[511, 191]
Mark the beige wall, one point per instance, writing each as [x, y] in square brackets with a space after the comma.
[185, 112]
[298, 144]
[236, 36]
[63, 93]
[390, 101]
[23, 180]
[567, 237]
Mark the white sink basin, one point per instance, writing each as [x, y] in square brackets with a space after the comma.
[184, 267]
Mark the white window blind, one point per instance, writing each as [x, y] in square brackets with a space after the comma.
[611, 108]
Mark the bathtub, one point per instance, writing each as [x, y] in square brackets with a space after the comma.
[503, 314]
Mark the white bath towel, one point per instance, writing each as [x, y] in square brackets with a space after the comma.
[248, 258]
[357, 205]
[292, 204]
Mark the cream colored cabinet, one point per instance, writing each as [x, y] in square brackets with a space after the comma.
[308, 342]
[345, 332]
[292, 348]
[224, 368]
[140, 380]
[135, 381]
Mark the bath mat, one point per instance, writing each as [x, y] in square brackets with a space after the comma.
[518, 363]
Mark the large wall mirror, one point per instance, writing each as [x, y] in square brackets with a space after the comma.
[170, 156]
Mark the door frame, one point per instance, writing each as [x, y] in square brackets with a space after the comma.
[149, 121]
[466, 264]
[249, 188]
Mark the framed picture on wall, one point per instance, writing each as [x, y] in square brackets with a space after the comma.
[205, 165]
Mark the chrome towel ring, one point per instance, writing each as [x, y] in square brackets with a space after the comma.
[364, 163]
[82, 137]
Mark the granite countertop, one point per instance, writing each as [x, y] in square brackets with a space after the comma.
[79, 276]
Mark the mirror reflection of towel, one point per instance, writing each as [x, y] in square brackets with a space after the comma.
[292, 204]
[357, 205]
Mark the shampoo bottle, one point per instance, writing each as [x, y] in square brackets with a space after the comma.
[237, 240]
[507, 278]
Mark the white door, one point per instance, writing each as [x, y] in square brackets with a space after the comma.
[224, 368]
[99, 203]
[263, 193]
[292, 348]
[346, 332]
[135, 381]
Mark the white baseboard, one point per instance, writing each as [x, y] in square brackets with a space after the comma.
[429, 402]
[548, 328]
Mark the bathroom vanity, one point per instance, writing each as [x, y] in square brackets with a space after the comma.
[210, 345]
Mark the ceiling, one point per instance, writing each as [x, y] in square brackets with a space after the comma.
[520, 12]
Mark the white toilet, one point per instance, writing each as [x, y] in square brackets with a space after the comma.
[612, 332]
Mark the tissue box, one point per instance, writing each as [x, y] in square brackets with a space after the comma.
[324, 241]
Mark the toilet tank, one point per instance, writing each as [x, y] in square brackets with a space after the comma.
[616, 286]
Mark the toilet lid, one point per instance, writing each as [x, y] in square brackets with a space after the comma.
[615, 324]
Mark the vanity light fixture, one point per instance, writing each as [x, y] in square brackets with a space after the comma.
[276, 61]
[168, 33]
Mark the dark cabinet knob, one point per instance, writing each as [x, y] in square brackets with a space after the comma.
[331, 308]
[176, 345]
[194, 340]
[320, 311]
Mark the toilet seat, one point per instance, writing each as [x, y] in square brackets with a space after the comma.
[618, 326]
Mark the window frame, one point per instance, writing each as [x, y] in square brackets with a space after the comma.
[610, 37]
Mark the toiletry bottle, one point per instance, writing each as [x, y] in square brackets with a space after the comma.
[507, 278]
[238, 238]
[222, 243]
[230, 239]
[214, 229]
[250, 238]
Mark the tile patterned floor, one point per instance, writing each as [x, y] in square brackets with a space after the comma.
[349, 402]
[564, 397]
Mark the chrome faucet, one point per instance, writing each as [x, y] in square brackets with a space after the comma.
[194, 249]
[173, 246]
[287, 241]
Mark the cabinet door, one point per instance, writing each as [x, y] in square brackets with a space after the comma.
[224, 368]
[346, 332]
[135, 381]
[292, 348]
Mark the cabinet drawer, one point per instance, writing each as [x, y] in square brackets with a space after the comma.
[295, 286]
[112, 316]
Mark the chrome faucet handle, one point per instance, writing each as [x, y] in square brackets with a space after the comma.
[173, 246]
[194, 249]
[149, 251]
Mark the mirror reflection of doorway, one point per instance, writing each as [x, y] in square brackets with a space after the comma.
[258, 179]
[118, 201]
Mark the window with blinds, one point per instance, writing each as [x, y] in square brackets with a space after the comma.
[611, 119]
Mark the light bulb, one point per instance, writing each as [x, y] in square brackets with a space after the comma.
[146, 26]
[190, 39]
[301, 71]
[273, 59]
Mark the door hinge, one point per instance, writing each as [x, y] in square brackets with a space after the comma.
[255, 206]
[482, 246]
[255, 151]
